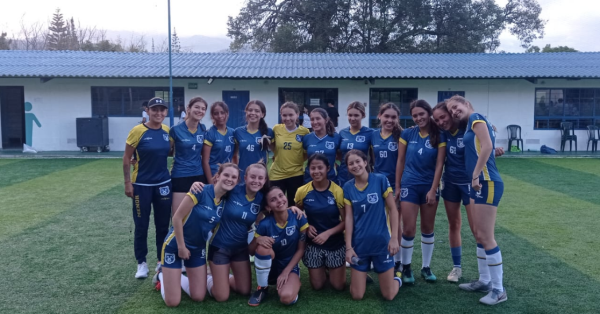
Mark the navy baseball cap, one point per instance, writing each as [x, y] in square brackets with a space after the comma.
[156, 101]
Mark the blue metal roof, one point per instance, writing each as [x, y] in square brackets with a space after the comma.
[298, 65]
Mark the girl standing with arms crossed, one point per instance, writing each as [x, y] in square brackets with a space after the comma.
[323, 140]
[150, 183]
[188, 139]
[355, 136]
[186, 243]
[252, 140]
[288, 159]
[323, 202]
[487, 188]
[368, 236]
[219, 141]
[421, 158]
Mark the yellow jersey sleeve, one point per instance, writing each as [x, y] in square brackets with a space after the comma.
[133, 139]
[442, 145]
[304, 227]
[338, 194]
[301, 193]
[193, 197]
[387, 192]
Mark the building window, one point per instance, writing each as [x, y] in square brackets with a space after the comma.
[127, 101]
[443, 95]
[310, 97]
[402, 97]
[555, 105]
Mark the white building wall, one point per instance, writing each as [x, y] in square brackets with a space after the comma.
[58, 102]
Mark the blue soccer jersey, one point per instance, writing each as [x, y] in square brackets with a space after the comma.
[327, 145]
[360, 140]
[250, 150]
[200, 221]
[187, 161]
[454, 167]
[152, 147]
[221, 147]
[473, 147]
[421, 157]
[371, 234]
[385, 151]
[286, 236]
[239, 215]
[323, 211]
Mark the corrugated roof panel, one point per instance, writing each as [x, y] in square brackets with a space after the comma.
[297, 65]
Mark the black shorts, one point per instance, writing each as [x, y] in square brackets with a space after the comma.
[183, 184]
[289, 186]
[317, 257]
[221, 256]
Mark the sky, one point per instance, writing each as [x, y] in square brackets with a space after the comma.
[574, 23]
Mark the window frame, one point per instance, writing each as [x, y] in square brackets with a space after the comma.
[103, 102]
[405, 117]
[577, 120]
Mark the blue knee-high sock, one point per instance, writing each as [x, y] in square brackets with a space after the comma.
[456, 255]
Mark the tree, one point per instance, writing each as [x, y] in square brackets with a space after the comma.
[4, 42]
[175, 43]
[382, 25]
[102, 45]
[549, 48]
[58, 36]
[72, 41]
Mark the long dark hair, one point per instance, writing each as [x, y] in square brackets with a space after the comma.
[397, 130]
[214, 106]
[434, 130]
[318, 156]
[329, 126]
[262, 125]
[265, 200]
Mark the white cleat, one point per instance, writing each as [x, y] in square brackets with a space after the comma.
[142, 271]
[455, 274]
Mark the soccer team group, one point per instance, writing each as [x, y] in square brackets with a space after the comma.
[226, 207]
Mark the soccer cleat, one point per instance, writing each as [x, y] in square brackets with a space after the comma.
[398, 270]
[476, 286]
[158, 265]
[428, 275]
[142, 271]
[183, 271]
[258, 296]
[494, 297]
[156, 279]
[455, 274]
[407, 276]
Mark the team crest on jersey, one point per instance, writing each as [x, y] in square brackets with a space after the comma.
[164, 190]
[203, 254]
[427, 144]
[290, 230]
[459, 142]
[254, 208]
[199, 138]
[452, 150]
[372, 198]
[169, 258]
[360, 138]
[258, 140]
[330, 200]
[166, 137]
[329, 145]
[298, 138]
[219, 211]
[393, 146]
[403, 192]
[231, 140]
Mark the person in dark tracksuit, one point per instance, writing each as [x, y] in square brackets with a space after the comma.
[150, 183]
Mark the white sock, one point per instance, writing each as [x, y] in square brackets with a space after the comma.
[482, 266]
[406, 249]
[185, 284]
[250, 236]
[494, 260]
[162, 286]
[427, 244]
[397, 257]
[262, 265]
[209, 284]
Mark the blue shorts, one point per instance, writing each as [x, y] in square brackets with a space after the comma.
[381, 263]
[171, 259]
[490, 193]
[277, 268]
[416, 194]
[454, 193]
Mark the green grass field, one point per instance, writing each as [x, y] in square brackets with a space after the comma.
[66, 246]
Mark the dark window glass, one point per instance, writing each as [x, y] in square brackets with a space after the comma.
[402, 97]
[127, 101]
[581, 106]
[310, 98]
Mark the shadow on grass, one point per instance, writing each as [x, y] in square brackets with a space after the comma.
[28, 169]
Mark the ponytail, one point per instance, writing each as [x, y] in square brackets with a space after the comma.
[264, 130]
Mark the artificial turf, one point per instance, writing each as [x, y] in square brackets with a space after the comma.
[66, 246]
